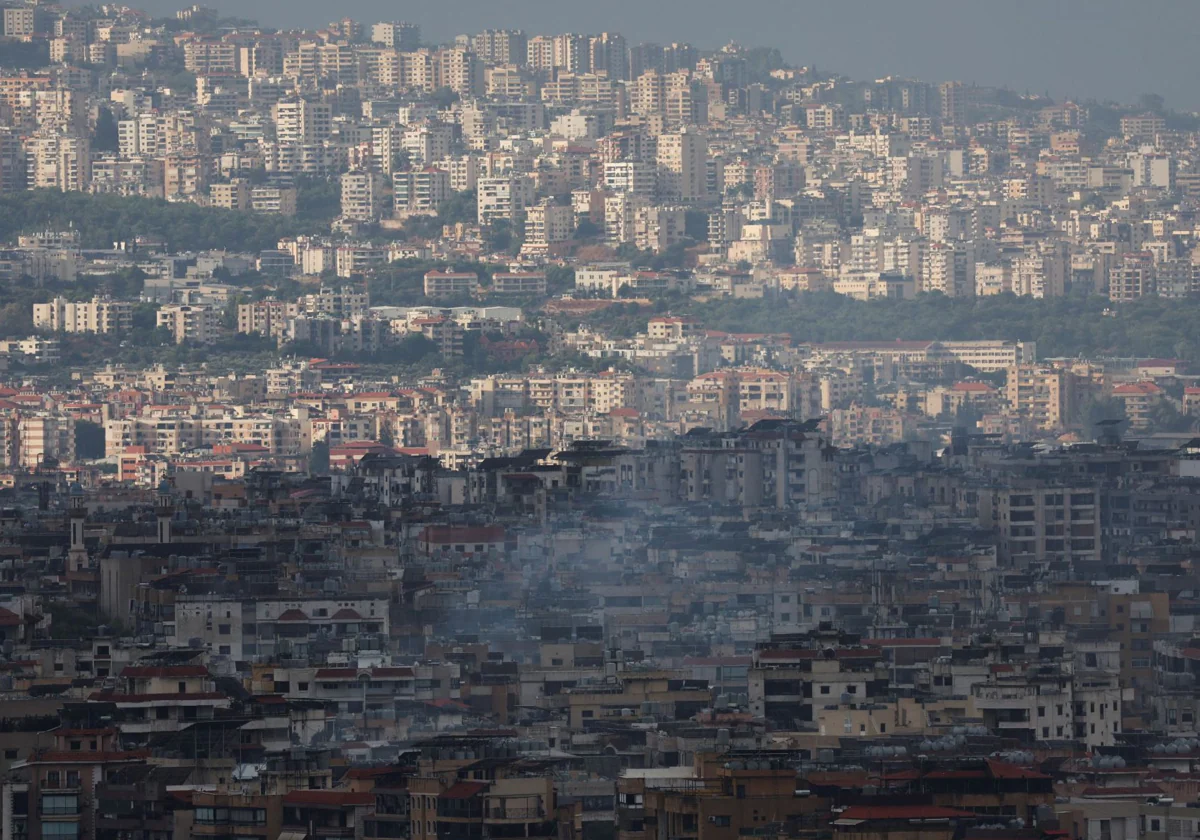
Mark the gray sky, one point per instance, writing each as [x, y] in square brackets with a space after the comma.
[1106, 49]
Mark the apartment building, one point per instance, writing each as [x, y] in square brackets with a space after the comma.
[1045, 395]
[99, 315]
[682, 170]
[266, 317]
[518, 283]
[504, 198]
[547, 224]
[1042, 522]
[420, 191]
[42, 437]
[450, 283]
[1133, 276]
[362, 196]
[196, 323]
[274, 200]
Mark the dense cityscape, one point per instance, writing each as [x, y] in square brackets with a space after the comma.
[567, 436]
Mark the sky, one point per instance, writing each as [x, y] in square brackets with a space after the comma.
[1101, 49]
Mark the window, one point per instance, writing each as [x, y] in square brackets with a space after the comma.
[162, 712]
[824, 689]
[223, 629]
[182, 687]
[721, 820]
[60, 830]
[58, 805]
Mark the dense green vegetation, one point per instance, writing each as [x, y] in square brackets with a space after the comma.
[105, 219]
[460, 207]
[1070, 326]
[24, 55]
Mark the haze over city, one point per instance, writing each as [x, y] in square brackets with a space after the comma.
[625, 421]
[1095, 49]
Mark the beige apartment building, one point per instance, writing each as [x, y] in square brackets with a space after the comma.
[99, 315]
[190, 322]
[1044, 395]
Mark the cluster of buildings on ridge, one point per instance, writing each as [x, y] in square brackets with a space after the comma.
[788, 179]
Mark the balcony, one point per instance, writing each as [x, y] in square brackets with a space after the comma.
[517, 814]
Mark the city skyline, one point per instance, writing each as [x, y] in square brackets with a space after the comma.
[1070, 48]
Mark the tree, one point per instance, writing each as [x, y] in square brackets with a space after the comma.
[444, 97]
[318, 459]
[105, 137]
[498, 236]
[104, 219]
[1094, 410]
[89, 440]
[560, 278]
[67, 621]
[25, 55]
[1151, 102]
[1164, 416]
[16, 320]
[587, 229]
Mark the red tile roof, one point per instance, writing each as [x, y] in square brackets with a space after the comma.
[336, 673]
[462, 533]
[465, 790]
[1004, 770]
[391, 672]
[1133, 389]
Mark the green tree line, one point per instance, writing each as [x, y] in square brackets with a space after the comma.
[104, 219]
[1068, 326]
